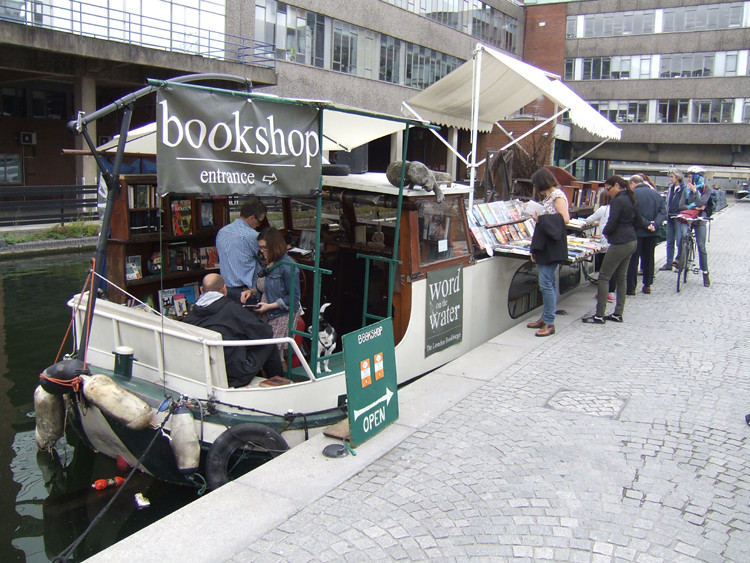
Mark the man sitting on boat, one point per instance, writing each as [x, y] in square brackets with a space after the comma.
[213, 310]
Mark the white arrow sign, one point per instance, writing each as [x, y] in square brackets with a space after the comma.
[386, 398]
[270, 179]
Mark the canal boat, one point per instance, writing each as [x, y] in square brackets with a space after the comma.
[153, 391]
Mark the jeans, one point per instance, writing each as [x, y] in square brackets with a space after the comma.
[615, 265]
[700, 242]
[644, 252]
[675, 232]
[548, 287]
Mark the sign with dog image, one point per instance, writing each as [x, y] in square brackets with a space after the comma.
[371, 383]
[213, 142]
[444, 322]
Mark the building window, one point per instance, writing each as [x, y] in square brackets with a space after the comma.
[344, 58]
[390, 59]
[618, 23]
[49, 105]
[477, 18]
[674, 111]
[10, 169]
[637, 112]
[12, 102]
[313, 39]
[686, 65]
[746, 112]
[570, 66]
[698, 18]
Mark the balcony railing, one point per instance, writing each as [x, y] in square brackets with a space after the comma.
[90, 19]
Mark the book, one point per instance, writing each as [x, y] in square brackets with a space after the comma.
[180, 305]
[182, 217]
[209, 257]
[178, 259]
[166, 302]
[189, 293]
[207, 214]
[133, 269]
[142, 196]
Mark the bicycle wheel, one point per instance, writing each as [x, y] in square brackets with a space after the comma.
[682, 262]
[689, 259]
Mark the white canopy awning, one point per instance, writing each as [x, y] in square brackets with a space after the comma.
[342, 130]
[506, 86]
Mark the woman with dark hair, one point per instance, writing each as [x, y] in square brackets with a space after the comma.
[549, 245]
[276, 283]
[624, 218]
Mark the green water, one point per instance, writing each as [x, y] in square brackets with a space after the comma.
[47, 502]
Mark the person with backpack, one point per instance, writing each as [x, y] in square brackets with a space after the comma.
[697, 195]
[653, 210]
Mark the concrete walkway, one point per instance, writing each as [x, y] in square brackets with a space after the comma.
[622, 442]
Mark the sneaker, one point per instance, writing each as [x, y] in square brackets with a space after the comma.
[665, 268]
[615, 318]
[706, 280]
[611, 297]
[593, 319]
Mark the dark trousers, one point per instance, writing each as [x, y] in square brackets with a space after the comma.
[644, 252]
[615, 265]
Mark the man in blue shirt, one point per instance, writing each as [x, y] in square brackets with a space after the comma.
[237, 244]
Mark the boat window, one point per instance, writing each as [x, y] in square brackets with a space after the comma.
[570, 277]
[441, 231]
[524, 294]
[303, 212]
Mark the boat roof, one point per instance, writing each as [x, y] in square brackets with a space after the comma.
[376, 182]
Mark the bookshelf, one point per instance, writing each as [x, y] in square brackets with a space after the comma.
[158, 244]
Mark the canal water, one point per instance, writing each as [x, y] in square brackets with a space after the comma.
[47, 502]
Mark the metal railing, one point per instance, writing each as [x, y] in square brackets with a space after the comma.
[91, 19]
[41, 205]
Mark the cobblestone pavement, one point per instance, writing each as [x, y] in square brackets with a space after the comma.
[622, 442]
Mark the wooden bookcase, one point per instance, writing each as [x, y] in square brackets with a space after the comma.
[173, 228]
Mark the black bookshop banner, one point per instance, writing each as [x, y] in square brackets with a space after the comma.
[444, 322]
[209, 142]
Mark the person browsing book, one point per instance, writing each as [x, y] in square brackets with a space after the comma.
[275, 284]
[549, 245]
[237, 245]
[214, 311]
[620, 232]
[653, 211]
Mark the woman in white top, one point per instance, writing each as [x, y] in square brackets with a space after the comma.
[554, 201]
[599, 218]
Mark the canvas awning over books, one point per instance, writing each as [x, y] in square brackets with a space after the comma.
[505, 85]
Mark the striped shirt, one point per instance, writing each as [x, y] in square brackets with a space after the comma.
[237, 244]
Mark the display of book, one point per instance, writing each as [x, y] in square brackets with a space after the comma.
[506, 227]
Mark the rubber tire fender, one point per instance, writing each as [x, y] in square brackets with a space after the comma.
[235, 437]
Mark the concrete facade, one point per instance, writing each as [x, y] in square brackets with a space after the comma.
[715, 144]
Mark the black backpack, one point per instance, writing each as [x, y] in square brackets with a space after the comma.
[710, 204]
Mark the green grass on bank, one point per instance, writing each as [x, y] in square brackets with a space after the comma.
[76, 229]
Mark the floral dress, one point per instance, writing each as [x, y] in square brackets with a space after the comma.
[280, 324]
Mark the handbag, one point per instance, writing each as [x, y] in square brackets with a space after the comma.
[688, 214]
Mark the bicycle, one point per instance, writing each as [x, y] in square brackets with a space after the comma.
[686, 251]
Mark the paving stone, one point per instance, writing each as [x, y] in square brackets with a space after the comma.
[612, 443]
